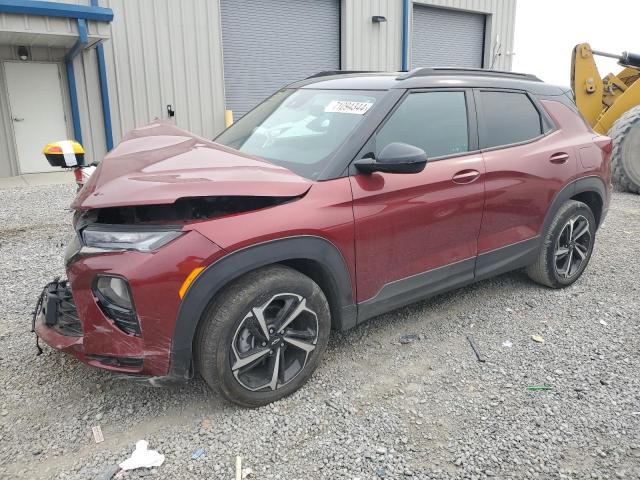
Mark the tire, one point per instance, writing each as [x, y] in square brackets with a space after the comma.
[244, 327]
[625, 157]
[551, 269]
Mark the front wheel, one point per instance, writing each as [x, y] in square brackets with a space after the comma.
[566, 247]
[263, 336]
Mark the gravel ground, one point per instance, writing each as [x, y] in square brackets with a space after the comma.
[376, 408]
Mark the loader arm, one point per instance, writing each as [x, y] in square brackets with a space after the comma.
[586, 83]
[602, 101]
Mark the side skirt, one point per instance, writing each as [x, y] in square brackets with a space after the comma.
[409, 290]
[417, 287]
[507, 258]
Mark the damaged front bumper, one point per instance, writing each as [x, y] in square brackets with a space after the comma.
[56, 322]
[55, 319]
[71, 316]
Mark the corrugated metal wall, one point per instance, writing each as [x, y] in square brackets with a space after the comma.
[369, 46]
[161, 52]
[170, 52]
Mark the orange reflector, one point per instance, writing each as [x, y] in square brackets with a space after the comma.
[54, 149]
[189, 280]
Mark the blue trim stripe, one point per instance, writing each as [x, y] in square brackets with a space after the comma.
[104, 94]
[406, 5]
[73, 97]
[104, 91]
[83, 40]
[56, 9]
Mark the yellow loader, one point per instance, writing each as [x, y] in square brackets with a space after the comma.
[611, 105]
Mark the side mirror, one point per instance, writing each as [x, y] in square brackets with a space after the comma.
[395, 158]
[65, 154]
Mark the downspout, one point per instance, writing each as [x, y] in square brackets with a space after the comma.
[104, 91]
[83, 40]
[406, 5]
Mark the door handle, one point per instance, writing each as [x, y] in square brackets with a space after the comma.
[559, 158]
[18, 119]
[465, 176]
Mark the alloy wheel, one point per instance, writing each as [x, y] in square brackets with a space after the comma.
[572, 247]
[273, 342]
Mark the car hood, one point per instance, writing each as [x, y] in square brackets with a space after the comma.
[161, 163]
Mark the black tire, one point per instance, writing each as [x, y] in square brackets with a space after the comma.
[553, 267]
[231, 332]
[625, 157]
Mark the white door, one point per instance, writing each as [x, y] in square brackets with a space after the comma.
[37, 111]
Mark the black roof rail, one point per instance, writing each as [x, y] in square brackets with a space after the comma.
[476, 72]
[327, 73]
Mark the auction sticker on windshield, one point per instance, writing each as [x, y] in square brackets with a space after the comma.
[346, 106]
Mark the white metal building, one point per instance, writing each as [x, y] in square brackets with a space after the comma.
[94, 69]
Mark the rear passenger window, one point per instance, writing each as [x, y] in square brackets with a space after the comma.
[507, 118]
[434, 121]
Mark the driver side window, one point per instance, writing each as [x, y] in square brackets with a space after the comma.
[433, 121]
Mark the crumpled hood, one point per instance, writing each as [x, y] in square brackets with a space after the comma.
[161, 163]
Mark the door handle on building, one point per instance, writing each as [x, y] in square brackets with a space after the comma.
[18, 119]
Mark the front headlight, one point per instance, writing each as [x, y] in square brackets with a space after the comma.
[142, 240]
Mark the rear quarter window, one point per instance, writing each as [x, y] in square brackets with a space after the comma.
[507, 118]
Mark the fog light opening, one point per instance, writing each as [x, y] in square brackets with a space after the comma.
[114, 299]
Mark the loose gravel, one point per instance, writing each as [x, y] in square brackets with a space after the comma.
[402, 396]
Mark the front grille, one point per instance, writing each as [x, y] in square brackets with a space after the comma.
[60, 310]
[68, 320]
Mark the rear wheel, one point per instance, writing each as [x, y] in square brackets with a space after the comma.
[625, 157]
[566, 248]
[263, 336]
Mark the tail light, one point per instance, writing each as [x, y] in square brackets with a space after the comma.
[604, 143]
[77, 172]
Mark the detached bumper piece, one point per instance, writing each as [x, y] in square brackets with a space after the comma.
[59, 311]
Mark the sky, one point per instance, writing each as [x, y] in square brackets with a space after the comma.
[547, 31]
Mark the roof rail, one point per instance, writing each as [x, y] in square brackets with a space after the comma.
[327, 73]
[476, 72]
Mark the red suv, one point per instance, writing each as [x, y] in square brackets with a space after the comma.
[339, 198]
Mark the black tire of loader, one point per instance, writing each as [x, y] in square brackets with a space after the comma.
[621, 164]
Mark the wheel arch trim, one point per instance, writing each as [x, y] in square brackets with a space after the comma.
[592, 184]
[217, 275]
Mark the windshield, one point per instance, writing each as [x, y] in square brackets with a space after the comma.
[300, 129]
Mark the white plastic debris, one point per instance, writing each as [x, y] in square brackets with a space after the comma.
[98, 437]
[602, 322]
[247, 473]
[142, 457]
[507, 344]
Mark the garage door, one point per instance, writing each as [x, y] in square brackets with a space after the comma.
[268, 44]
[447, 38]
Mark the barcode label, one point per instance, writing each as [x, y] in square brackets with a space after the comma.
[345, 106]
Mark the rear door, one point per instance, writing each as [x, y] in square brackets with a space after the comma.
[527, 162]
[415, 233]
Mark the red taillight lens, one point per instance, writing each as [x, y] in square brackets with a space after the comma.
[78, 174]
[604, 143]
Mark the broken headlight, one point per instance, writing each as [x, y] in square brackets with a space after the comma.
[122, 238]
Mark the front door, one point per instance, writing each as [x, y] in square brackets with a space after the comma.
[37, 111]
[417, 233]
